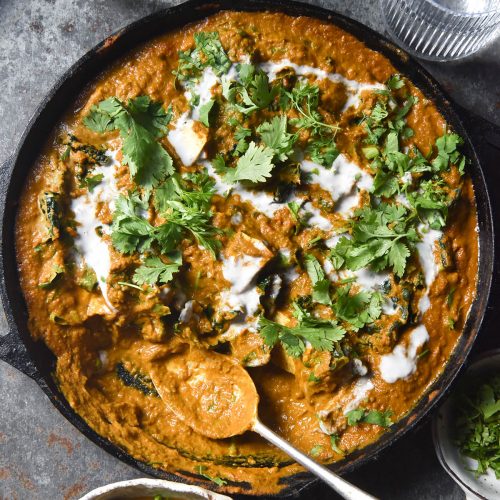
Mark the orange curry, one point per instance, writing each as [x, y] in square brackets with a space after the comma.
[268, 188]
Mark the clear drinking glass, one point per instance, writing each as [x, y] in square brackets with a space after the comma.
[442, 30]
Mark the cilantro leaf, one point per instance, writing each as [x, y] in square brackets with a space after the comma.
[129, 231]
[374, 417]
[358, 309]
[431, 201]
[140, 123]
[186, 209]
[304, 98]
[215, 56]
[91, 181]
[447, 153]
[322, 150]
[208, 52]
[253, 93]
[183, 210]
[275, 136]
[154, 270]
[320, 333]
[321, 285]
[241, 134]
[205, 112]
[254, 166]
[382, 237]
[334, 444]
[478, 422]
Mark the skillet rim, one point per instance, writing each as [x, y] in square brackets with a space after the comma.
[110, 50]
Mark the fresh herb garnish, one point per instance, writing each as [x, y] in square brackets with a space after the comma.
[91, 181]
[478, 423]
[334, 439]
[320, 333]
[323, 151]
[252, 93]
[241, 134]
[321, 285]
[381, 238]
[254, 166]
[182, 209]
[304, 99]
[447, 153]
[208, 52]
[316, 450]
[374, 417]
[357, 309]
[140, 123]
[205, 112]
[154, 270]
[275, 136]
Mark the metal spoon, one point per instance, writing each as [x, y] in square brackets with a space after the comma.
[216, 397]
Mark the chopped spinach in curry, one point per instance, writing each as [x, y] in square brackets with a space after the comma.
[293, 203]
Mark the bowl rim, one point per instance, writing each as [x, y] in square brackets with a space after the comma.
[173, 487]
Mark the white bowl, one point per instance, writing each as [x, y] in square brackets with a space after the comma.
[461, 468]
[150, 487]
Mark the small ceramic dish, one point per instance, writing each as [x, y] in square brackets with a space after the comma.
[461, 468]
[148, 488]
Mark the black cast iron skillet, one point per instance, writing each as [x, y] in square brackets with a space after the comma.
[35, 360]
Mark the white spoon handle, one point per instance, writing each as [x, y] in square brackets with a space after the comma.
[342, 487]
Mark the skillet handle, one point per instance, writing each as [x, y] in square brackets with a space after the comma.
[13, 352]
[12, 348]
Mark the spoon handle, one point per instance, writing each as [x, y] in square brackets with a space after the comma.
[342, 487]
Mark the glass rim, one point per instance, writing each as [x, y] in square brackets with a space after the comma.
[435, 4]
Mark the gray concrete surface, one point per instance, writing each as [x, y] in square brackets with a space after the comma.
[41, 455]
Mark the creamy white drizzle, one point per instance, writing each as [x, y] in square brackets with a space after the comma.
[187, 312]
[243, 295]
[92, 248]
[402, 361]
[316, 219]
[203, 89]
[340, 179]
[360, 390]
[236, 218]
[424, 303]
[354, 88]
[426, 255]
[358, 367]
[188, 144]
[426, 252]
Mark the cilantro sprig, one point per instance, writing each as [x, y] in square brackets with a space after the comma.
[321, 284]
[253, 92]
[140, 123]
[254, 166]
[382, 237]
[208, 52]
[303, 98]
[478, 423]
[275, 136]
[357, 309]
[154, 270]
[320, 333]
[184, 210]
[374, 417]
